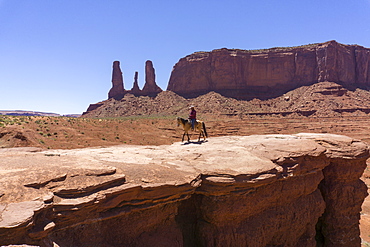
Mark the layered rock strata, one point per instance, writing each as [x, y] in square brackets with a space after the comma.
[273, 190]
[248, 74]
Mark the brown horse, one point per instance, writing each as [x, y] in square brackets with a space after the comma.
[199, 126]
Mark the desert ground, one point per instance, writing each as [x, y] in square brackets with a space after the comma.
[70, 133]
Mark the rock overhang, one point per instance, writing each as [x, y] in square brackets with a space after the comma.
[253, 156]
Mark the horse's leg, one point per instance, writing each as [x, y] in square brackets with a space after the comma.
[183, 137]
[201, 131]
[199, 127]
[187, 127]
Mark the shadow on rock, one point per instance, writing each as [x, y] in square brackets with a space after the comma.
[193, 142]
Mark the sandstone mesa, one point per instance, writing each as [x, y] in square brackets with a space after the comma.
[272, 190]
[248, 74]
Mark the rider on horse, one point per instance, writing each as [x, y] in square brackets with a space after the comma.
[192, 116]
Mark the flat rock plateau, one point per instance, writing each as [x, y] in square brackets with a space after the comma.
[258, 190]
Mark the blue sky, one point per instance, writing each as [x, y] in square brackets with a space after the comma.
[57, 55]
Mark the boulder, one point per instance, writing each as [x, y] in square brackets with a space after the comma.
[272, 190]
[248, 74]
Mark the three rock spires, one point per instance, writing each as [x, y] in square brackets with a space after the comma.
[118, 91]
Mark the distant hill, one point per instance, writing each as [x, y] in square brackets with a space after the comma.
[34, 113]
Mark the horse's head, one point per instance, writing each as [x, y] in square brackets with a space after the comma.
[178, 121]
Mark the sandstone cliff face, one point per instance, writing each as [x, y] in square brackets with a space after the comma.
[267, 73]
[275, 190]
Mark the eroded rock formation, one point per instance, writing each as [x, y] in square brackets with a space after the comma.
[135, 90]
[248, 74]
[150, 88]
[117, 91]
[274, 190]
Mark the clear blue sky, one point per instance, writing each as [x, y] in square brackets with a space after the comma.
[57, 55]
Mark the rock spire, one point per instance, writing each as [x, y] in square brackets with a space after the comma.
[117, 91]
[135, 90]
[150, 88]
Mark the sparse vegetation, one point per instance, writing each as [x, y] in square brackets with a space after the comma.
[64, 132]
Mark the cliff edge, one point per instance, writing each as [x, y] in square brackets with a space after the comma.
[272, 190]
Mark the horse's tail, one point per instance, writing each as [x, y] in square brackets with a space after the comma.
[204, 129]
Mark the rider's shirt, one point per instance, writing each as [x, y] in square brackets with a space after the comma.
[193, 114]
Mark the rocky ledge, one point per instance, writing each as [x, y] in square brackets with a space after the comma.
[272, 190]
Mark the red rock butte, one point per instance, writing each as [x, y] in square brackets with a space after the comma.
[247, 74]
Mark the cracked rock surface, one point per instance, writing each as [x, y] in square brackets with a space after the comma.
[270, 190]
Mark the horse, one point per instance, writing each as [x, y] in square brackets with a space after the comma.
[199, 126]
